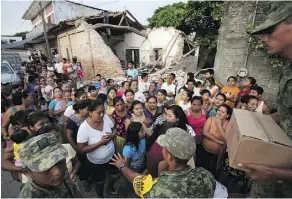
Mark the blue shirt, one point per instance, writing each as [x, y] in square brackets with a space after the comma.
[212, 112]
[136, 156]
[133, 73]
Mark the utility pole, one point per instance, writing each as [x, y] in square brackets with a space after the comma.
[45, 31]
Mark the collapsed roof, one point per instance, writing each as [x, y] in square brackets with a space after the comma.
[119, 22]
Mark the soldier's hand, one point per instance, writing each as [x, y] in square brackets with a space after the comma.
[257, 172]
[117, 160]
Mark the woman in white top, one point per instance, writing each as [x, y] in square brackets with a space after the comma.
[95, 139]
[210, 85]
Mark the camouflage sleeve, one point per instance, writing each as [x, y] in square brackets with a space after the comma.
[27, 192]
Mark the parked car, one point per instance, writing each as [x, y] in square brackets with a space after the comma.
[8, 75]
[14, 60]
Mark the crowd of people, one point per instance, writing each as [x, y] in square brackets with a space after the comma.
[156, 128]
[146, 139]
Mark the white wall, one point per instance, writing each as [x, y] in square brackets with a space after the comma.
[157, 38]
[8, 38]
[65, 10]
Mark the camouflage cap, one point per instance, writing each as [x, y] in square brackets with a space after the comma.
[178, 142]
[42, 152]
[278, 12]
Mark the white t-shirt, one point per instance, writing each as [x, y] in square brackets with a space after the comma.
[71, 155]
[86, 133]
[197, 92]
[184, 106]
[48, 93]
[69, 111]
[211, 91]
[143, 86]
[140, 97]
[169, 88]
[190, 130]
[59, 67]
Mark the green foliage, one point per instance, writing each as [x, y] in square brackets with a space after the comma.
[169, 16]
[202, 17]
[20, 34]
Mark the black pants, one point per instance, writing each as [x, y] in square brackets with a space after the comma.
[206, 160]
[97, 171]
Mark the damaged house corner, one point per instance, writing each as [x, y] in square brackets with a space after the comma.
[105, 44]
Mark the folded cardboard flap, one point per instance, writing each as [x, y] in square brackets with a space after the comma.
[248, 125]
[273, 130]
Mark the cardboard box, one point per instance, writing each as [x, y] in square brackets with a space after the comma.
[256, 138]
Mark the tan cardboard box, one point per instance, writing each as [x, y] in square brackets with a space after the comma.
[256, 138]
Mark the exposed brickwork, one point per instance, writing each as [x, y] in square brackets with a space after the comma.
[92, 52]
[232, 49]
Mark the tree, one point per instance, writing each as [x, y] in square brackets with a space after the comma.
[202, 17]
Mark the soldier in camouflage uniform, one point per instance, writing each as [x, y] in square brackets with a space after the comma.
[45, 159]
[276, 36]
[180, 180]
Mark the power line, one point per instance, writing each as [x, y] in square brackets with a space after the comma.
[21, 5]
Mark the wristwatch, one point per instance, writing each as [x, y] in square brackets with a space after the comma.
[121, 166]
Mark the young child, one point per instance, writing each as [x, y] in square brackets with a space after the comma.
[43, 105]
[185, 99]
[178, 97]
[92, 90]
[80, 71]
[249, 102]
[219, 100]
[146, 94]
[19, 137]
[206, 100]
[135, 147]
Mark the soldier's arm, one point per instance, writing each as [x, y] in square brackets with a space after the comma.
[266, 173]
[119, 162]
[7, 163]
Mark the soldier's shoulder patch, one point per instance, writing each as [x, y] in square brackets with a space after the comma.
[143, 184]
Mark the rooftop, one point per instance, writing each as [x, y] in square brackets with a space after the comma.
[34, 9]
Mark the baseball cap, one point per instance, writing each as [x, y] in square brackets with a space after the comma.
[178, 142]
[42, 152]
[278, 12]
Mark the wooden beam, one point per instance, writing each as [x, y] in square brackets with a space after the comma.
[131, 29]
[127, 22]
[135, 18]
[122, 19]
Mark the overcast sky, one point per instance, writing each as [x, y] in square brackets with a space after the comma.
[12, 11]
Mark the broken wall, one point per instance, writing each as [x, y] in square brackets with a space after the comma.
[168, 39]
[95, 56]
[232, 49]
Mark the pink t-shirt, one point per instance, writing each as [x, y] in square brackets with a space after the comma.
[120, 93]
[197, 123]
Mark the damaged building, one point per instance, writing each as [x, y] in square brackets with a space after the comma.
[105, 43]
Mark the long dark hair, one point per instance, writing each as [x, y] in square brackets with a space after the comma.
[35, 117]
[162, 128]
[133, 134]
[229, 111]
[180, 116]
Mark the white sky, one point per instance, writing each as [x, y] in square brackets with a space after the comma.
[12, 11]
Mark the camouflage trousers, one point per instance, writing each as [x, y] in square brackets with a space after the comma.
[271, 190]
